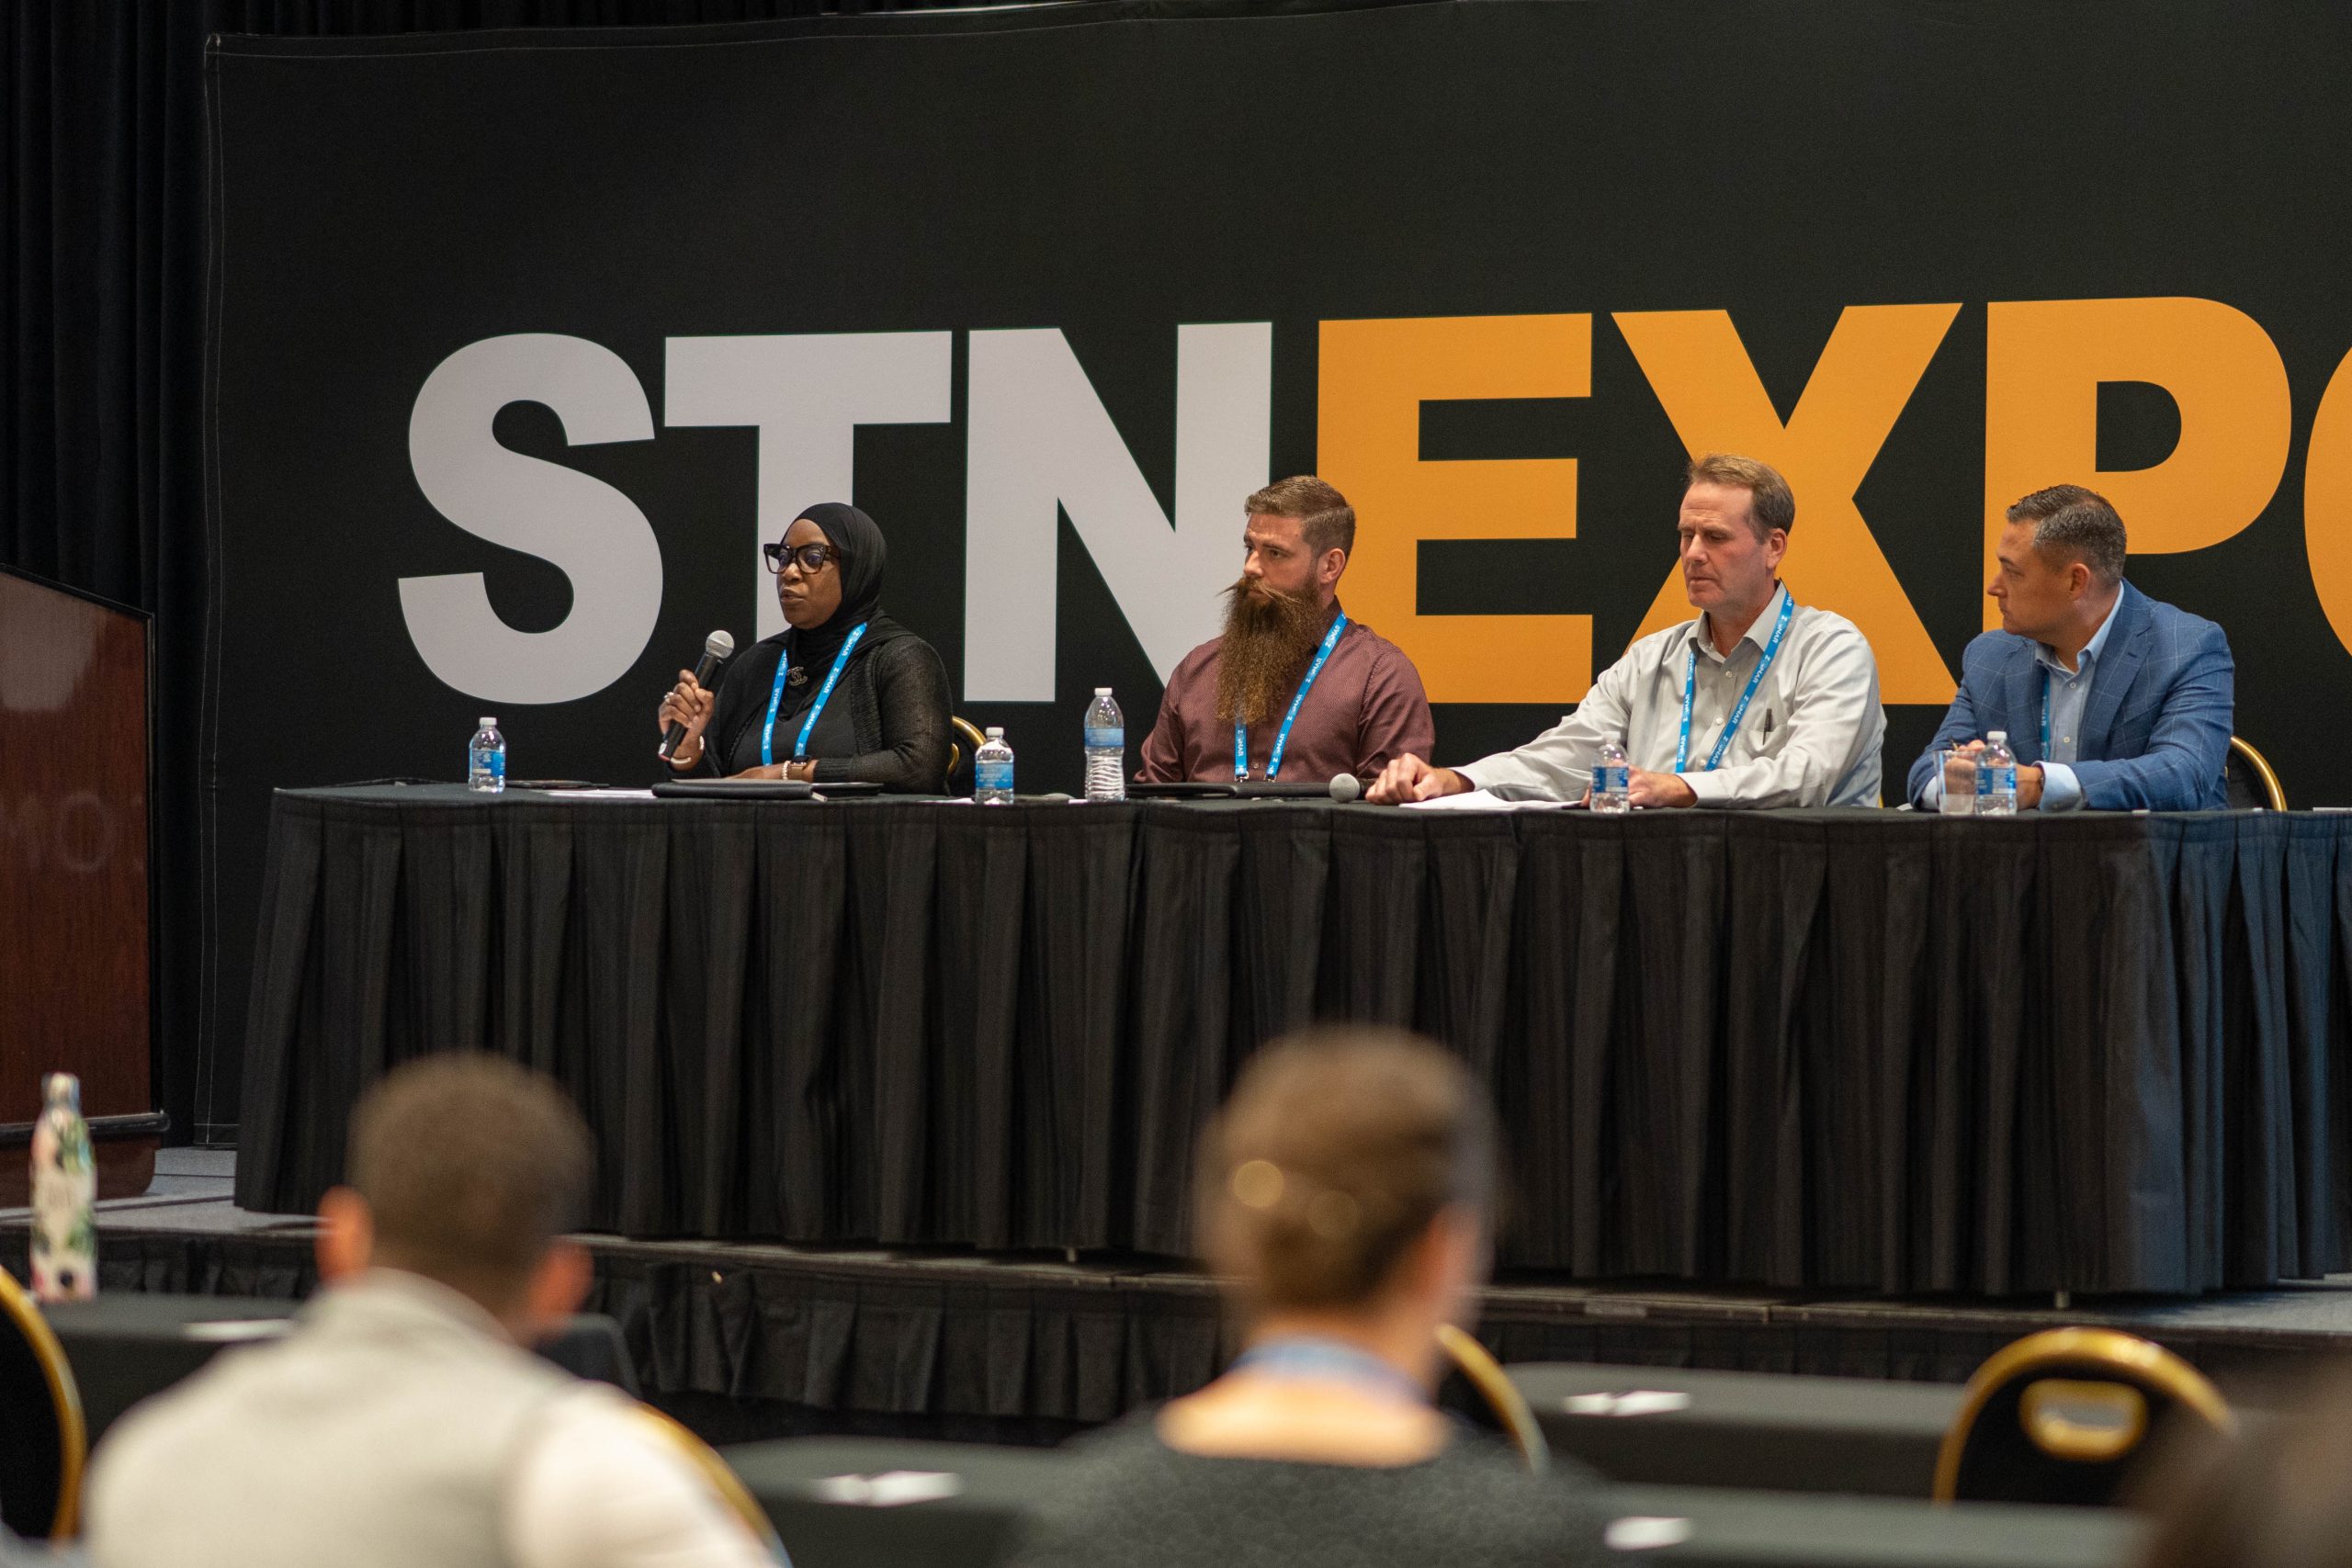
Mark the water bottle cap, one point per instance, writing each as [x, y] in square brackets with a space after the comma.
[1999, 737]
[1101, 691]
[489, 721]
[996, 732]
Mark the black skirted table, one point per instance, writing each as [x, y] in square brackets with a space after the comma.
[125, 1346]
[1860, 1049]
[1756, 1431]
[838, 1501]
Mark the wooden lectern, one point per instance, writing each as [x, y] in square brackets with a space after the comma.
[76, 953]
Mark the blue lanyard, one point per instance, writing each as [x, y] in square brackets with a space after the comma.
[1282, 740]
[2045, 715]
[1731, 726]
[824, 692]
[1308, 1356]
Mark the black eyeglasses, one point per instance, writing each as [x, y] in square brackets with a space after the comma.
[811, 558]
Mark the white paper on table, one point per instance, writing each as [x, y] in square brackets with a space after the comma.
[892, 1489]
[1634, 1402]
[238, 1330]
[1644, 1532]
[1479, 800]
[599, 795]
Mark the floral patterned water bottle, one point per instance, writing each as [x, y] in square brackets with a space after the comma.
[65, 1189]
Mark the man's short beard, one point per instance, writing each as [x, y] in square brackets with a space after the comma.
[1270, 638]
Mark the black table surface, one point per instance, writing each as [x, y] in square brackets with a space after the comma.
[822, 1495]
[838, 1502]
[124, 1345]
[1760, 1431]
[1850, 1049]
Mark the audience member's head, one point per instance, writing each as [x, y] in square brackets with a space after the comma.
[1344, 1198]
[2273, 1499]
[1351, 1173]
[467, 1169]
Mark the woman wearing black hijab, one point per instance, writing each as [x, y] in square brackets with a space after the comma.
[846, 693]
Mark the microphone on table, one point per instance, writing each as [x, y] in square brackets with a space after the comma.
[716, 648]
[1346, 787]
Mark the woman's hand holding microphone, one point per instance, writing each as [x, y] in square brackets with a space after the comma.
[690, 703]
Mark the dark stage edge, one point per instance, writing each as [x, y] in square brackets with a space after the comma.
[749, 1342]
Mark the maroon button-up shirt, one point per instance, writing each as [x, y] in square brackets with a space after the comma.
[1365, 707]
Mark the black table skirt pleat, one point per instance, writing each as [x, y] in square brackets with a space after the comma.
[1855, 1049]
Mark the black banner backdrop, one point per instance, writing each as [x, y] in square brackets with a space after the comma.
[586, 314]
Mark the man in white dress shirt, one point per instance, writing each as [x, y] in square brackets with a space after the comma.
[403, 1421]
[1760, 702]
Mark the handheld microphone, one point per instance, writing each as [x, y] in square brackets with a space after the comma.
[716, 648]
[1346, 787]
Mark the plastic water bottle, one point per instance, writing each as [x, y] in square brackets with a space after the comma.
[486, 759]
[65, 1191]
[1612, 781]
[992, 771]
[1106, 749]
[1997, 777]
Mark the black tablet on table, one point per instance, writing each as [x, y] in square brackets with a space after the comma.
[763, 789]
[1245, 789]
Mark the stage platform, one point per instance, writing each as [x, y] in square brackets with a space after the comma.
[749, 1342]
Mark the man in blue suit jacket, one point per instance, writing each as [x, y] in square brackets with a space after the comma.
[2110, 699]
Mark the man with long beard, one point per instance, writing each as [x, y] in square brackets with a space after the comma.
[1294, 689]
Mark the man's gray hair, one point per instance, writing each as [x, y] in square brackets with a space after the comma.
[2087, 531]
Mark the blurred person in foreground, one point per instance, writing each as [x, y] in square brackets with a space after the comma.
[405, 1421]
[2274, 1498]
[1346, 1195]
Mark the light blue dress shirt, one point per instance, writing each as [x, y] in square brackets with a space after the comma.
[2068, 692]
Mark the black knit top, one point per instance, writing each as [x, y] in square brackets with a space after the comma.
[886, 721]
[1138, 1503]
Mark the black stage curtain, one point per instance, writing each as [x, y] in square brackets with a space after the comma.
[102, 257]
[101, 332]
[1856, 1049]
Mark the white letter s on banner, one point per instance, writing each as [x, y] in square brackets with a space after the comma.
[591, 532]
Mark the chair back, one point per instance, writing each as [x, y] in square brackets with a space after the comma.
[721, 1477]
[962, 750]
[2248, 780]
[1497, 1395]
[2061, 1416]
[42, 1442]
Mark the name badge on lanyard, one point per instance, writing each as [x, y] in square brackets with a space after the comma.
[824, 694]
[1731, 726]
[1282, 738]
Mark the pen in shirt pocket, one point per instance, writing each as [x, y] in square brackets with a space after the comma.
[1768, 723]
